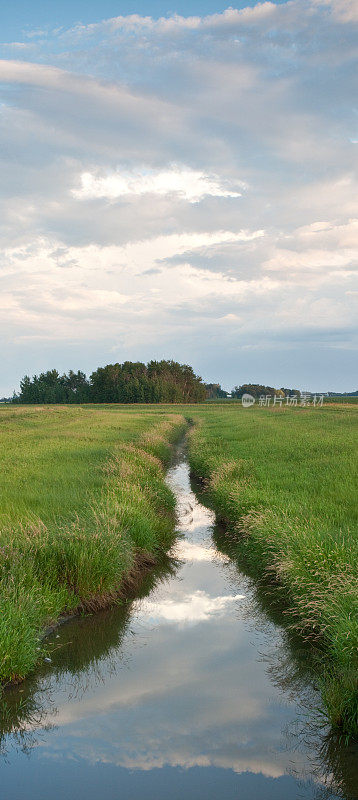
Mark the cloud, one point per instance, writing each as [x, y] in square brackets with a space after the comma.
[189, 184]
[311, 259]
[191, 609]
[226, 20]
[189, 551]
[342, 10]
[174, 182]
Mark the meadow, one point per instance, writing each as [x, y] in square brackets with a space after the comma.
[285, 482]
[84, 509]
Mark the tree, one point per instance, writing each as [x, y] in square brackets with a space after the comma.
[76, 387]
[214, 391]
[130, 382]
[255, 389]
[290, 391]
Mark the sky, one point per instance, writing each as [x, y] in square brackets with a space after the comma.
[179, 181]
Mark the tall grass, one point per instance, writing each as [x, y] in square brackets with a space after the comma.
[83, 503]
[285, 480]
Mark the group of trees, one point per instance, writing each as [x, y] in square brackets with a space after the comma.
[155, 382]
[51, 387]
[133, 382]
[256, 389]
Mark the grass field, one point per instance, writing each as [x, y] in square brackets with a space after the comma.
[82, 496]
[286, 481]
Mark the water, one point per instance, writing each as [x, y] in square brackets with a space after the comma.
[189, 691]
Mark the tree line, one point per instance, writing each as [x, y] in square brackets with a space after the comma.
[130, 382]
[215, 392]
[257, 389]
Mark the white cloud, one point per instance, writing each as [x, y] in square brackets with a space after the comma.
[330, 233]
[191, 185]
[226, 20]
[343, 10]
[191, 609]
[311, 259]
[186, 550]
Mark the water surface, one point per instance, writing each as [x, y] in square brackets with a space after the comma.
[191, 691]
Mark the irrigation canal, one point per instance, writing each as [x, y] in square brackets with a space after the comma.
[193, 690]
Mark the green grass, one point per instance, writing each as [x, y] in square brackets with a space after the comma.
[286, 481]
[83, 495]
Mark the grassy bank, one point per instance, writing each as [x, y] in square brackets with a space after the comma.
[285, 480]
[84, 506]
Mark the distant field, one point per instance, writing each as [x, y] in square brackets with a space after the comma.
[326, 401]
[341, 400]
[82, 492]
[286, 480]
[51, 456]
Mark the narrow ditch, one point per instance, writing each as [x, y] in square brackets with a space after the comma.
[191, 689]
